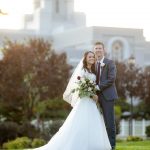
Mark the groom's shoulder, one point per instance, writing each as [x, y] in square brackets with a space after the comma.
[109, 60]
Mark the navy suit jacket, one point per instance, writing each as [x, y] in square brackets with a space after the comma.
[107, 80]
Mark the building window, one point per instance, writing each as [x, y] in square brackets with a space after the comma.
[37, 4]
[57, 6]
[117, 51]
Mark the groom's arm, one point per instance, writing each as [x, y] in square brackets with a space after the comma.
[111, 77]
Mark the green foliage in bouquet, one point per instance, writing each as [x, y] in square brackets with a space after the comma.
[85, 87]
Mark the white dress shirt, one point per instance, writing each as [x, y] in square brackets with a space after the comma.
[101, 61]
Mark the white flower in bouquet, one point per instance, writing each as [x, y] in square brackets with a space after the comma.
[83, 80]
[85, 87]
[91, 81]
[102, 64]
[97, 87]
[89, 89]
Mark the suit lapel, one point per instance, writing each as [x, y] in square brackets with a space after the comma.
[96, 67]
[102, 68]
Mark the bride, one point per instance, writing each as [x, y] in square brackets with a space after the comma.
[84, 128]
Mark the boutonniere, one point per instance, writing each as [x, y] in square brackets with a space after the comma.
[102, 64]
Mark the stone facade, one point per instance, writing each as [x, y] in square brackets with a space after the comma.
[56, 21]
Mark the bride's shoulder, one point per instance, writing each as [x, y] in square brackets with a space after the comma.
[83, 72]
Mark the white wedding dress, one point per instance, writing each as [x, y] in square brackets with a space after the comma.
[84, 128]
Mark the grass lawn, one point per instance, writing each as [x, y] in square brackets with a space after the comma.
[140, 145]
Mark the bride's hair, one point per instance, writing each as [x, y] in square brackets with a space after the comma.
[85, 62]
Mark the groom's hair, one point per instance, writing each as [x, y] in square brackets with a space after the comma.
[99, 43]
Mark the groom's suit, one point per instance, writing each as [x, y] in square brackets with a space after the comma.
[107, 95]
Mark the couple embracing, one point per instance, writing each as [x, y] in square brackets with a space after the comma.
[87, 127]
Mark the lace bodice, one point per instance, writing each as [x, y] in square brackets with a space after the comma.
[88, 75]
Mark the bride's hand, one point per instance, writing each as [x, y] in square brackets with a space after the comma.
[95, 98]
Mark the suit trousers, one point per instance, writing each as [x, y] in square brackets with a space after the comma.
[109, 118]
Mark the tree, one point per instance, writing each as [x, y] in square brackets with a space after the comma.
[128, 80]
[30, 72]
[121, 79]
[128, 86]
[145, 90]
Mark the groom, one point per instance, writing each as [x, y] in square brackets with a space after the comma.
[106, 75]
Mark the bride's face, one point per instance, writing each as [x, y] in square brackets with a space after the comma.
[90, 58]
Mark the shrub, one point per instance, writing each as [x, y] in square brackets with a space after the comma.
[55, 126]
[147, 131]
[18, 143]
[8, 131]
[38, 143]
[117, 118]
[119, 140]
[23, 142]
[11, 130]
[53, 108]
[51, 129]
[29, 130]
[134, 138]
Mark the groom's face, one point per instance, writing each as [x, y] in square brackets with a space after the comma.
[99, 51]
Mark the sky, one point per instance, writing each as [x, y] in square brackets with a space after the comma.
[109, 13]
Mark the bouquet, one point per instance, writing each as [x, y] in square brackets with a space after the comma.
[85, 87]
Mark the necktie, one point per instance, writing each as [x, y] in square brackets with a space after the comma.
[98, 73]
